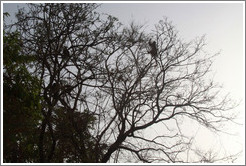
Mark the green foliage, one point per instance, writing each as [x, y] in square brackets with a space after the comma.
[75, 143]
[21, 103]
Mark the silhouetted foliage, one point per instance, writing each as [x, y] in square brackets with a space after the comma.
[103, 85]
[21, 109]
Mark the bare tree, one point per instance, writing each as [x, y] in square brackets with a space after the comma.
[144, 90]
[123, 80]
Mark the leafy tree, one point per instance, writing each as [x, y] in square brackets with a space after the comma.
[21, 109]
[75, 143]
[104, 85]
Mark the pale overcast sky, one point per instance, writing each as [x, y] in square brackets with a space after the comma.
[223, 24]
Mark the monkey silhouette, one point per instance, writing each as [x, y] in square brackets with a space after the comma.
[65, 53]
[153, 50]
[120, 78]
[55, 88]
[68, 89]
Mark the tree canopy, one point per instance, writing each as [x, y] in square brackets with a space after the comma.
[21, 109]
[81, 87]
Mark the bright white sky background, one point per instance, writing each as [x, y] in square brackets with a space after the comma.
[224, 27]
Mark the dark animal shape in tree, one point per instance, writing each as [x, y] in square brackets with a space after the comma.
[153, 49]
[65, 53]
[55, 89]
[67, 89]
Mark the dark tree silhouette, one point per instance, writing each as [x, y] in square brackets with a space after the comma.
[67, 77]
[111, 89]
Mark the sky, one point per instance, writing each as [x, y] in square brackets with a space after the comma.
[224, 27]
[221, 23]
